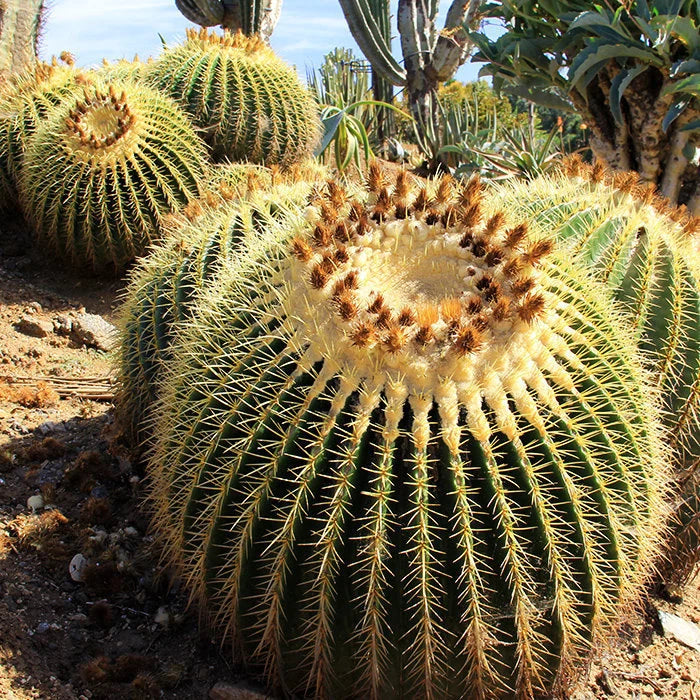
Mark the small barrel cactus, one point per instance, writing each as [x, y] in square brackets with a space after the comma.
[106, 168]
[250, 104]
[405, 450]
[25, 101]
[165, 284]
[648, 254]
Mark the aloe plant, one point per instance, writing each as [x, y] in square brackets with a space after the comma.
[405, 449]
[632, 70]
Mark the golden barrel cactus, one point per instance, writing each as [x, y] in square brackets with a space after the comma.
[408, 450]
[104, 171]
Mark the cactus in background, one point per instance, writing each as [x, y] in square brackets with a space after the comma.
[251, 17]
[20, 22]
[647, 254]
[407, 451]
[25, 101]
[430, 56]
[123, 69]
[105, 169]
[164, 286]
[250, 104]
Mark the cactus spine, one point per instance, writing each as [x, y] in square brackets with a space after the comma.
[26, 100]
[250, 104]
[406, 452]
[163, 288]
[105, 170]
[646, 253]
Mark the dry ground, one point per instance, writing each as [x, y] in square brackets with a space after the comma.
[121, 631]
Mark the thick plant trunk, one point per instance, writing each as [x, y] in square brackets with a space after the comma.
[19, 28]
[639, 142]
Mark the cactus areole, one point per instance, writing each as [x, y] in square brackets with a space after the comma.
[407, 451]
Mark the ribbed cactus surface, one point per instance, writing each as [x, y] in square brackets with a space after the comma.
[105, 169]
[649, 255]
[405, 450]
[163, 288]
[250, 104]
[25, 101]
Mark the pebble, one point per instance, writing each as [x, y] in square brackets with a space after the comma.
[35, 503]
[76, 568]
[43, 628]
[227, 691]
[93, 331]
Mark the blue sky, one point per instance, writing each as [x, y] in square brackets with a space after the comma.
[120, 28]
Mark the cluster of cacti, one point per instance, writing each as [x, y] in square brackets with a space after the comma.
[647, 254]
[250, 105]
[164, 286]
[105, 169]
[404, 449]
[25, 101]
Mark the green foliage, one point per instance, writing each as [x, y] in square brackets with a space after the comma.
[250, 104]
[646, 254]
[381, 488]
[564, 45]
[25, 101]
[104, 170]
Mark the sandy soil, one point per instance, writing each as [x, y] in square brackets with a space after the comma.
[121, 631]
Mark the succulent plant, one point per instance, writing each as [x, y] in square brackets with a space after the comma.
[164, 286]
[105, 169]
[648, 254]
[404, 450]
[25, 101]
[123, 69]
[250, 104]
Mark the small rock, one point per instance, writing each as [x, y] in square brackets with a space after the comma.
[62, 325]
[163, 617]
[43, 628]
[76, 568]
[35, 327]
[35, 503]
[34, 307]
[93, 331]
[673, 592]
[50, 427]
[227, 691]
[681, 630]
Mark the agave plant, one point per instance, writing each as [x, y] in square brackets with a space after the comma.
[407, 449]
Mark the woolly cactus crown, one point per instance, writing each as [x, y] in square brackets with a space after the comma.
[408, 451]
[105, 170]
[250, 104]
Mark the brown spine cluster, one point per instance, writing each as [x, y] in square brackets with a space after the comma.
[503, 288]
[75, 122]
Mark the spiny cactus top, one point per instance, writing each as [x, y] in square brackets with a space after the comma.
[105, 170]
[250, 103]
[408, 451]
[25, 100]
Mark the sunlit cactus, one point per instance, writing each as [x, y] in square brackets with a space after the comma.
[649, 255]
[25, 101]
[250, 104]
[408, 450]
[163, 288]
[104, 171]
[123, 69]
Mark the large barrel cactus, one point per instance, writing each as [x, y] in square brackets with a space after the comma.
[25, 101]
[164, 286]
[104, 171]
[249, 103]
[649, 256]
[406, 450]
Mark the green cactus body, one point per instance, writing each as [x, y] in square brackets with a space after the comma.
[647, 255]
[401, 453]
[165, 284]
[104, 171]
[25, 101]
[123, 69]
[249, 103]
